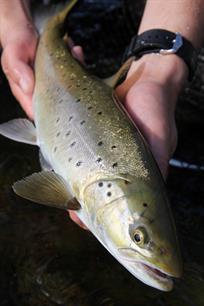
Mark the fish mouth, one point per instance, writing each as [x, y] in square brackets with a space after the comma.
[148, 273]
[157, 278]
[156, 273]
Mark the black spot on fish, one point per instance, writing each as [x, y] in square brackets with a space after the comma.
[60, 101]
[78, 163]
[109, 194]
[100, 184]
[109, 185]
[72, 144]
[145, 204]
[82, 122]
[113, 147]
[69, 159]
[58, 134]
[90, 107]
[58, 119]
[55, 149]
[99, 160]
[58, 89]
[126, 182]
[84, 88]
[114, 165]
[70, 118]
[99, 113]
[68, 133]
[100, 143]
[78, 100]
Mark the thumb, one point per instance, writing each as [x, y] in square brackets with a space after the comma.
[17, 70]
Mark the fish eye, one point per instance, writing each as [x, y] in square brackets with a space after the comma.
[140, 236]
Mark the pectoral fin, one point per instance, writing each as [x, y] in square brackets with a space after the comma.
[22, 130]
[46, 188]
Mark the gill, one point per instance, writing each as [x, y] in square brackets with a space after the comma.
[98, 177]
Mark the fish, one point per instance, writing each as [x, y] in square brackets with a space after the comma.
[96, 162]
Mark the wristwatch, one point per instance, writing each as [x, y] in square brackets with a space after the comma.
[163, 42]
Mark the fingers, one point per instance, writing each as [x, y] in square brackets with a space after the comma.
[74, 218]
[77, 51]
[17, 60]
[17, 68]
[20, 75]
[24, 99]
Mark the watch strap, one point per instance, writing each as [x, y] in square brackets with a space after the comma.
[163, 42]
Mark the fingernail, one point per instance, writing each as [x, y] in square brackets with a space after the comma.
[24, 84]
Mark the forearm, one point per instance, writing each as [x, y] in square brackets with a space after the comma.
[183, 16]
[14, 15]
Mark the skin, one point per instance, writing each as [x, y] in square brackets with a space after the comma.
[150, 100]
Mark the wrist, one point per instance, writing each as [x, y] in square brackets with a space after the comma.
[166, 70]
[184, 17]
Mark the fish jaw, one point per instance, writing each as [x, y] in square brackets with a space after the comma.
[149, 275]
[150, 269]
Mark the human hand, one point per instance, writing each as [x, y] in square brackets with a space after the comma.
[149, 94]
[18, 54]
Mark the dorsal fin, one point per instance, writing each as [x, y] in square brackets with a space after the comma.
[22, 130]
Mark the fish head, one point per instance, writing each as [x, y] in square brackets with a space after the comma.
[137, 227]
[151, 244]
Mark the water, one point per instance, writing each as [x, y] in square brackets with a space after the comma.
[48, 260]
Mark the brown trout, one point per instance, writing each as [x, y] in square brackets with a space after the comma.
[96, 162]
